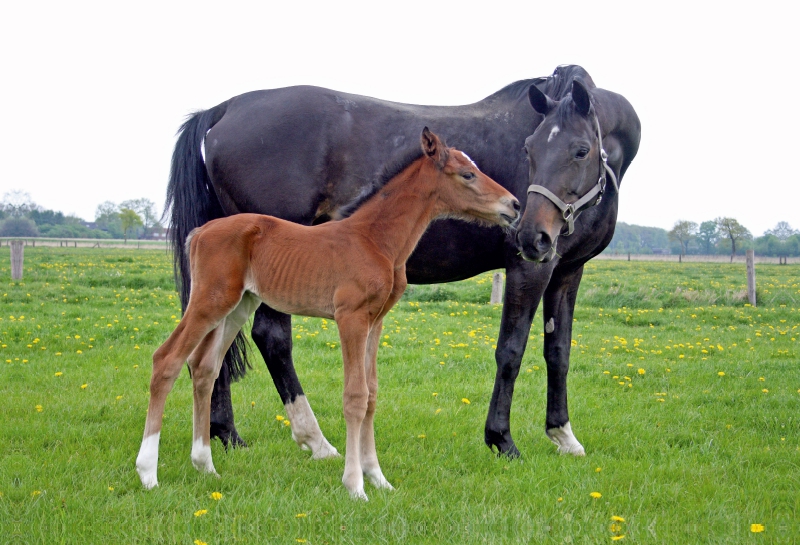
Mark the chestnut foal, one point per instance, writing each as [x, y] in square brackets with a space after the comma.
[351, 270]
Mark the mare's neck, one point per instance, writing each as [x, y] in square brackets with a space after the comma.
[396, 217]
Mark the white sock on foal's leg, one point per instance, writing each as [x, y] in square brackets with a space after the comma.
[147, 461]
[201, 457]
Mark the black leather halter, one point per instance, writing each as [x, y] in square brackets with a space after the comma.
[593, 197]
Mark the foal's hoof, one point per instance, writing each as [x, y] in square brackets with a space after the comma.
[566, 441]
[359, 495]
[228, 436]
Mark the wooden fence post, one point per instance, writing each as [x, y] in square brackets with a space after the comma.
[497, 289]
[16, 259]
[751, 277]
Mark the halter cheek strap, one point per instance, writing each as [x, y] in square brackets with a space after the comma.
[570, 212]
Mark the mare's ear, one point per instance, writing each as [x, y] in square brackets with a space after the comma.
[581, 97]
[433, 148]
[542, 103]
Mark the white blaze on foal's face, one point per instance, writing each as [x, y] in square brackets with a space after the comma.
[467, 157]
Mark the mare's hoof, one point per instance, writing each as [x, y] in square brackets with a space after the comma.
[503, 443]
[228, 436]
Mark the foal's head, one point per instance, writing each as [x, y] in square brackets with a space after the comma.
[464, 191]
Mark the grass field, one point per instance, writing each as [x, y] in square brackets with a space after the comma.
[685, 398]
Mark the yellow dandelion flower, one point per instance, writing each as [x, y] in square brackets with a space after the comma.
[615, 528]
[641, 371]
[560, 499]
[279, 418]
[201, 512]
[615, 518]
[721, 373]
[84, 386]
[617, 538]
[300, 540]
[596, 495]
[421, 436]
[598, 469]
[465, 401]
[58, 373]
[287, 422]
[434, 394]
[39, 408]
[765, 391]
[300, 515]
[35, 493]
[216, 496]
[199, 542]
[760, 379]
[110, 488]
[756, 528]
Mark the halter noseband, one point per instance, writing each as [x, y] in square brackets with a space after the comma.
[570, 212]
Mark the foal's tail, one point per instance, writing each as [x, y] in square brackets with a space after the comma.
[191, 202]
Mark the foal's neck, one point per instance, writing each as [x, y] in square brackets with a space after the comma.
[396, 217]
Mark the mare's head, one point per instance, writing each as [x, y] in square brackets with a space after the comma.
[566, 170]
[464, 191]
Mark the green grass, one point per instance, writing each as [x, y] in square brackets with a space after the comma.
[682, 453]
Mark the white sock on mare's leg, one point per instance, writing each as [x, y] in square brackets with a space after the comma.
[305, 429]
[566, 441]
[147, 461]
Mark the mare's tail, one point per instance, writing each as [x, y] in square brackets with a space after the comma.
[191, 202]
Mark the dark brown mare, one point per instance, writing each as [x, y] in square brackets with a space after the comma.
[353, 271]
[300, 153]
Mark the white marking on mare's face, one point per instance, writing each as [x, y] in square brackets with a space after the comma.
[468, 159]
[553, 132]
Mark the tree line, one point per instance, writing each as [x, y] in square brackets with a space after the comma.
[720, 236]
[135, 219]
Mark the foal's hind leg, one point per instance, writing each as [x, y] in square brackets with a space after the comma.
[167, 363]
[205, 363]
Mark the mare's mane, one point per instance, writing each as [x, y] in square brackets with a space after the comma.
[397, 165]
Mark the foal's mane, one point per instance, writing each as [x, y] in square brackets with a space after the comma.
[395, 166]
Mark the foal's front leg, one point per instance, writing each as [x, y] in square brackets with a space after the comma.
[369, 456]
[353, 331]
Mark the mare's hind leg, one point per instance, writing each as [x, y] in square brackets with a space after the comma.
[272, 333]
[167, 363]
[205, 363]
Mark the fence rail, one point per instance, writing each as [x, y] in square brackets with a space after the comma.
[697, 258]
[86, 243]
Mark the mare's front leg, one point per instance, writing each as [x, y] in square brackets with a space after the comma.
[559, 306]
[272, 333]
[353, 332]
[525, 283]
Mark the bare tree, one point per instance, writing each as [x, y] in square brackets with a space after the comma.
[732, 230]
[783, 231]
[683, 231]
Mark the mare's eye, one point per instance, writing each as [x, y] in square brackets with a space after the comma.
[581, 153]
[468, 176]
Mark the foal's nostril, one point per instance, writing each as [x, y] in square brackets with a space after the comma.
[516, 205]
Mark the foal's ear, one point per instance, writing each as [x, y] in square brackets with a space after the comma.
[433, 148]
[581, 97]
[542, 103]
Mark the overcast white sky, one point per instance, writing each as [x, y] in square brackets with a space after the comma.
[93, 93]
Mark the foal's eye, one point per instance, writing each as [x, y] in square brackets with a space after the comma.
[582, 153]
[468, 176]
